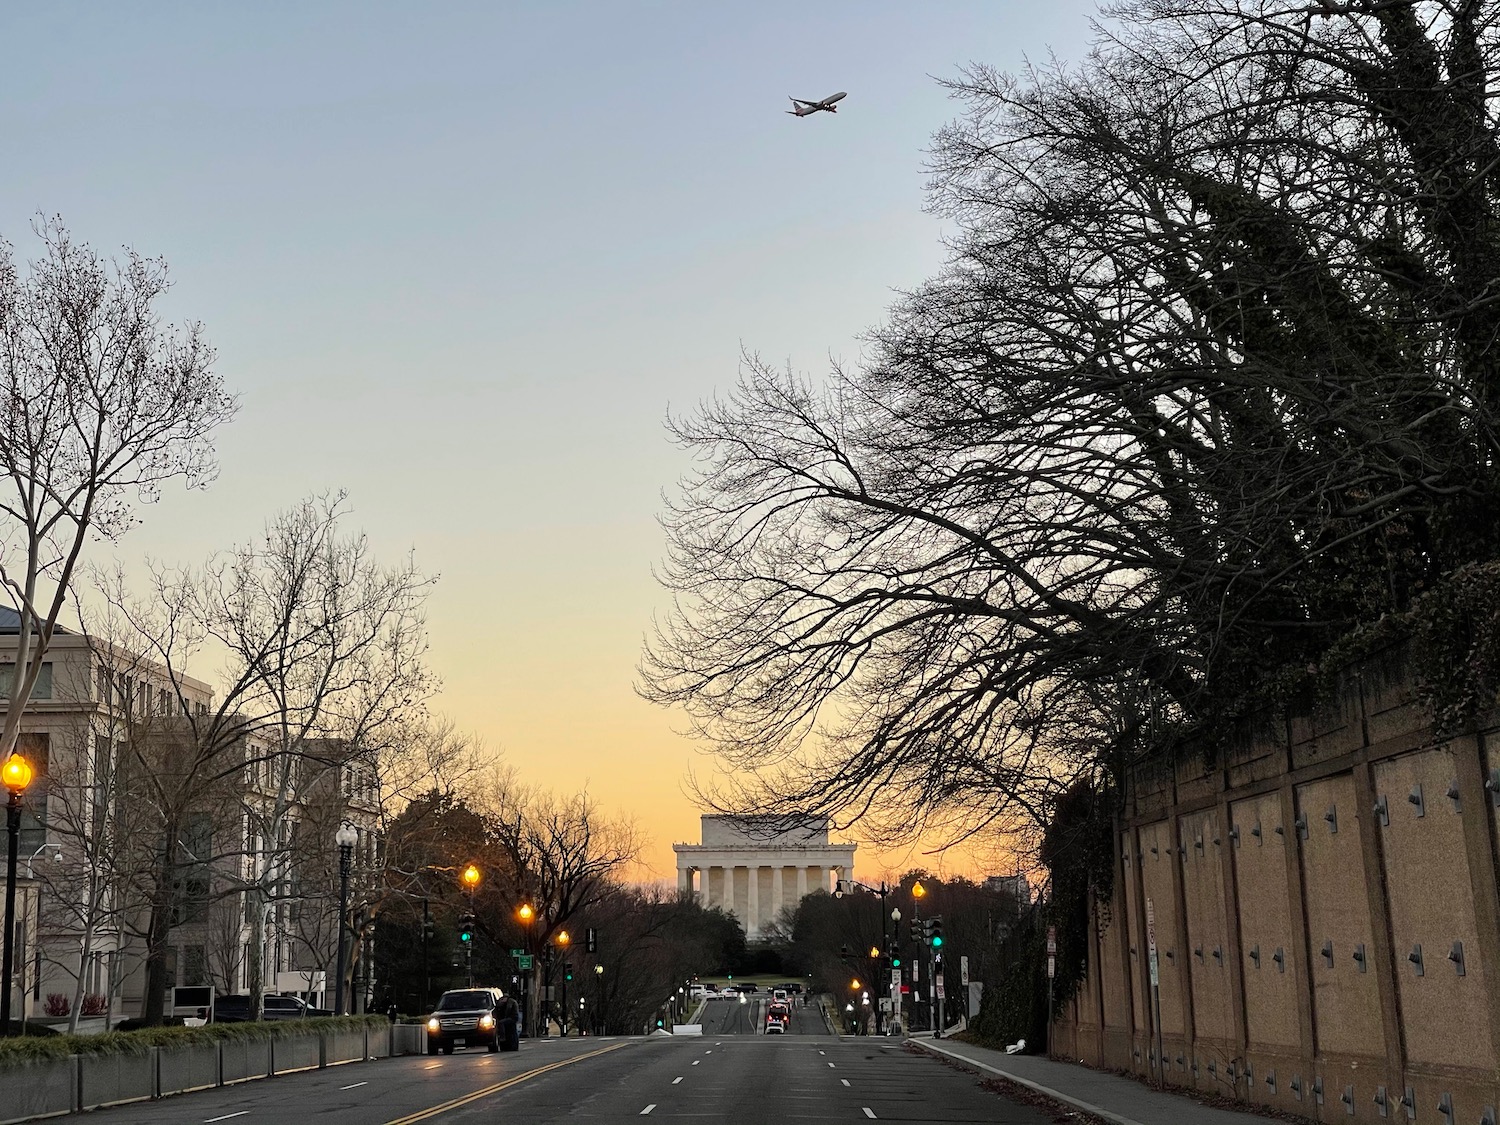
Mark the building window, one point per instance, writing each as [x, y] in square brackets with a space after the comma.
[42, 689]
[194, 966]
[102, 682]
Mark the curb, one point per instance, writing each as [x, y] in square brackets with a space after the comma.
[1076, 1103]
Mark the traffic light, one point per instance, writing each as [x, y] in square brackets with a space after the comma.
[466, 928]
[568, 971]
[937, 932]
[592, 936]
[918, 931]
[895, 961]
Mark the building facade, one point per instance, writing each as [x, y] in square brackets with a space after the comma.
[106, 731]
[755, 867]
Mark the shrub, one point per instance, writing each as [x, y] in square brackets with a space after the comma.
[57, 1004]
[137, 1042]
[95, 1004]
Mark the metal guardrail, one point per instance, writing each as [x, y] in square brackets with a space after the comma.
[51, 1087]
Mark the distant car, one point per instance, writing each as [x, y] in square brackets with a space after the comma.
[729, 990]
[779, 994]
[465, 1017]
[775, 1026]
[794, 987]
[779, 1009]
[750, 988]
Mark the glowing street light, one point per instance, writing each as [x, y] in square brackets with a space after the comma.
[470, 878]
[16, 775]
[562, 938]
[874, 952]
[525, 913]
[917, 890]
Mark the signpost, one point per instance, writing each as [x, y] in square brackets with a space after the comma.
[963, 971]
[525, 961]
[1051, 975]
[1155, 988]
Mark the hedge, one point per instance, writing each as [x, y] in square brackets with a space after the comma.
[27, 1048]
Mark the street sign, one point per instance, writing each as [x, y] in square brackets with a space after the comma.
[963, 971]
[1051, 952]
[1151, 942]
[518, 953]
[525, 961]
[939, 987]
[895, 978]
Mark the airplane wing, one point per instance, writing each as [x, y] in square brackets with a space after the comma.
[803, 101]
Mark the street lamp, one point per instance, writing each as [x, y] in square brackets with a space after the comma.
[470, 877]
[346, 837]
[16, 774]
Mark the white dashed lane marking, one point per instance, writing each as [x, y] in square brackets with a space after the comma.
[868, 1111]
[226, 1116]
[356, 1086]
[677, 1080]
[697, 1061]
[845, 1081]
[652, 1106]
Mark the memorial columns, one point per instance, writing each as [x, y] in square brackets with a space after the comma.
[752, 903]
[778, 889]
[801, 882]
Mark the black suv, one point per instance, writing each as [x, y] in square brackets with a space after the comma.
[465, 1017]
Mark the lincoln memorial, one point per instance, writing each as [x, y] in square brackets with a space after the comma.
[755, 866]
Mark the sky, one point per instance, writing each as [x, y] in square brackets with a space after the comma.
[461, 260]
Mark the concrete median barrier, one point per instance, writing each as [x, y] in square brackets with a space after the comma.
[44, 1088]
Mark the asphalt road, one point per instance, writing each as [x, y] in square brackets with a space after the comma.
[735, 1079]
[730, 1017]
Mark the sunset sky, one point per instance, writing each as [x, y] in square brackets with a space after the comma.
[461, 259]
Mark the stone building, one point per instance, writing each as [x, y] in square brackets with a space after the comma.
[80, 918]
[756, 866]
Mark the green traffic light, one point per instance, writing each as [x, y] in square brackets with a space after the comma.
[937, 939]
[895, 962]
[465, 936]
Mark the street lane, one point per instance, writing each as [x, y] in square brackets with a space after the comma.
[730, 1017]
[739, 1079]
[359, 1093]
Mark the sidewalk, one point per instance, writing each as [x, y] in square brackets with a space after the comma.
[1121, 1100]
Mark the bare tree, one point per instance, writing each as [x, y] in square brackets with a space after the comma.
[1208, 382]
[563, 855]
[99, 403]
[322, 667]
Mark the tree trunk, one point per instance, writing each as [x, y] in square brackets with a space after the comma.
[255, 972]
[154, 1008]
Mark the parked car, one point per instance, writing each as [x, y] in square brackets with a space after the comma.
[236, 1008]
[466, 1017]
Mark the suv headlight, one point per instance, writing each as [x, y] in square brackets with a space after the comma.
[434, 1025]
[487, 1022]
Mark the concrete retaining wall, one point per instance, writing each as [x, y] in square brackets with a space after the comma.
[1326, 897]
[56, 1086]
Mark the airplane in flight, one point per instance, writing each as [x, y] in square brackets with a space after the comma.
[801, 108]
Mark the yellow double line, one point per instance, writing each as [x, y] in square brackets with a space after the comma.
[433, 1111]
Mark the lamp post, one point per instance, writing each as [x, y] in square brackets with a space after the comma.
[16, 774]
[561, 941]
[470, 878]
[346, 837]
[526, 915]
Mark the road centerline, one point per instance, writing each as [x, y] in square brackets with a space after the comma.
[225, 1117]
[444, 1107]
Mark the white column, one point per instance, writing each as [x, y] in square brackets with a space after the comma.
[684, 879]
[778, 890]
[801, 882]
[752, 904]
